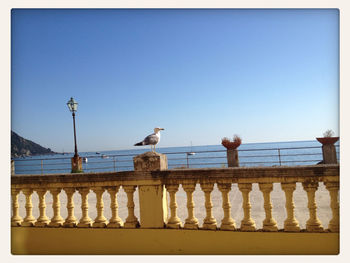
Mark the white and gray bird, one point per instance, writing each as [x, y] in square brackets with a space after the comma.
[151, 139]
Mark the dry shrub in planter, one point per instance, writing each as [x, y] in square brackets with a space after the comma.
[328, 138]
[228, 144]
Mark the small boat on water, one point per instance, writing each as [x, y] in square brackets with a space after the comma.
[103, 156]
[98, 153]
[191, 152]
[85, 159]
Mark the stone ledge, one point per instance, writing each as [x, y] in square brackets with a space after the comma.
[323, 172]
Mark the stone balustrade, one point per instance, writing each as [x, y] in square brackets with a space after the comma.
[154, 204]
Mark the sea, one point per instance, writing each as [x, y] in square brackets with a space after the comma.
[288, 153]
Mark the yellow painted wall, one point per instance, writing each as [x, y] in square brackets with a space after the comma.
[68, 241]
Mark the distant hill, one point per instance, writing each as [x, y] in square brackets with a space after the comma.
[22, 147]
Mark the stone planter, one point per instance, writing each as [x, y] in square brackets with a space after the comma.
[232, 152]
[328, 149]
[231, 145]
[327, 140]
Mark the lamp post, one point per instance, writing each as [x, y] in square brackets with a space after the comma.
[76, 160]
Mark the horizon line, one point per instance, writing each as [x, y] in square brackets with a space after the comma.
[190, 146]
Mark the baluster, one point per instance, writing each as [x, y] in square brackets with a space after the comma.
[71, 220]
[333, 188]
[209, 221]
[227, 223]
[100, 220]
[313, 224]
[269, 223]
[16, 220]
[290, 224]
[29, 219]
[247, 224]
[191, 221]
[174, 220]
[85, 220]
[115, 220]
[43, 220]
[56, 220]
[131, 221]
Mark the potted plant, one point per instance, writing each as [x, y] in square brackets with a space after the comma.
[228, 144]
[328, 138]
[328, 148]
[232, 152]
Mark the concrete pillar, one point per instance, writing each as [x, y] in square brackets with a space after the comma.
[77, 165]
[232, 158]
[328, 149]
[152, 198]
[150, 161]
[329, 154]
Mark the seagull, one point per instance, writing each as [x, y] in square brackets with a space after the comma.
[151, 139]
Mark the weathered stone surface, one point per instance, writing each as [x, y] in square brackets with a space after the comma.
[150, 161]
[329, 154]
[152, 198]
[232, 158]
[77, 164]
[280, 174]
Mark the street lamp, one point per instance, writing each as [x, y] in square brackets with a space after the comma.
[76, 161]
[73, 106]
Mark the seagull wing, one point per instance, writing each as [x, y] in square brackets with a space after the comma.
[151, 139]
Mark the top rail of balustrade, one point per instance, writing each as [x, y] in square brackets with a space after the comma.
[280, 174]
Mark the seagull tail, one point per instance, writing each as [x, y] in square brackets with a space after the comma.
[138, 144]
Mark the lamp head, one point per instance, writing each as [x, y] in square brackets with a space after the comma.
[72, 105]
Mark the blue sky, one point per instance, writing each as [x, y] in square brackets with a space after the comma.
[267, 75]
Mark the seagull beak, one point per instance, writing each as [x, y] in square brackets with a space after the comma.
[162, 129]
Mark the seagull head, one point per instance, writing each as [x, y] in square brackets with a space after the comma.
[156, 130]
